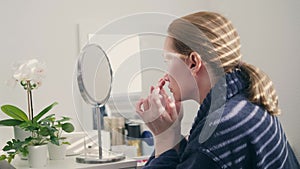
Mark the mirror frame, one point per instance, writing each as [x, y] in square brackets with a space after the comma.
[83, 91]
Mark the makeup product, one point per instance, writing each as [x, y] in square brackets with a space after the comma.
[134, 137]
[147, 143]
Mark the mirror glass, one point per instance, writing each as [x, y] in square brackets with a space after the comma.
[94, 75]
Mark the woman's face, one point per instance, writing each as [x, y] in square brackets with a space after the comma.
[181, 82]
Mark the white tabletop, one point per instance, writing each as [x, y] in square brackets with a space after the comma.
[70, 163]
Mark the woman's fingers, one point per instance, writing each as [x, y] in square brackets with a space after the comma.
[164, 114]
[158, 111]
[164, 98]
[138, 106]
[169, 104]
[163, 93]
[173, 110]
[165, 104]
[161, 83]
[146, 104]
[155, 100]
[151, 89]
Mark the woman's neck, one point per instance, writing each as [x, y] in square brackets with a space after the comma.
[205, 83]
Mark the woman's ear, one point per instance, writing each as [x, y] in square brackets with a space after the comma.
[194, 62]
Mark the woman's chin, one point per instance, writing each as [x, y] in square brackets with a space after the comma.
[176, 98]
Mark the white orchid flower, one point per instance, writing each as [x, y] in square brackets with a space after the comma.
[22, 73]
[37, 70]
[32, 70]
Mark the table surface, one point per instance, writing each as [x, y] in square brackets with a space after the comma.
[70, 163]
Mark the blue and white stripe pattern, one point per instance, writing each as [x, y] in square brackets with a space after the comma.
[246, 136]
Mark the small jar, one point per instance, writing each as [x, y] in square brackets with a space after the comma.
[134, 137]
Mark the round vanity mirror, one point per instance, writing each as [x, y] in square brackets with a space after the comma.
[94, 77]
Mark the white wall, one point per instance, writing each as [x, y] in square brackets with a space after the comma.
[48, 29]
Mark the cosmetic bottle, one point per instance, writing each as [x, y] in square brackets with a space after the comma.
[147, 143]
[134, 137]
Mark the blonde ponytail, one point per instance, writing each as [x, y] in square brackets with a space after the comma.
[261, 90]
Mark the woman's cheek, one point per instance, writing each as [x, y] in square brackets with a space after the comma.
[183, 84]
[176, 85]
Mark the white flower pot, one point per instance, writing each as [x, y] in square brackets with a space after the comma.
[57, 152]
[21, 134]
[37, 156]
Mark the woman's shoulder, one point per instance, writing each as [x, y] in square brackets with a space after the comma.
[240, 116]
[239, 107]
[231, 128]
[237, 115]
[237, 119]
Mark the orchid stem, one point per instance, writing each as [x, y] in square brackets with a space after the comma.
[29, 99]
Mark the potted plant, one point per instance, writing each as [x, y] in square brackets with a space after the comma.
[57, 143]
[37, 151]
[35, 146]
[39, 131]
[21, 123]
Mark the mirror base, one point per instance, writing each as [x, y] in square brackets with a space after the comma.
[90, 159]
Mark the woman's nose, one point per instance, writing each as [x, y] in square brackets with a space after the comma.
[166, 77]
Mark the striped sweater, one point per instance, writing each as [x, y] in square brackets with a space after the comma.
[231, 132]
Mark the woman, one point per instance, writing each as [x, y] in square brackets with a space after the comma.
[236, 125]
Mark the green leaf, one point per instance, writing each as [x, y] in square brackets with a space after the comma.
[10, 157]
[29, 126]
[64, 119]
[48, 119]
[25, 124]
[28, 140]
[54, 140]
[8, 147]
[43, 112]
[2, 157]
[10, 122]
[68, 127]
[14, 112]
[65, 142]
[44, 131]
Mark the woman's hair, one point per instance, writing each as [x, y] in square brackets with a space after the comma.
[218, 43]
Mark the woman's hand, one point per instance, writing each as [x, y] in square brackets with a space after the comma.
[163, 117]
